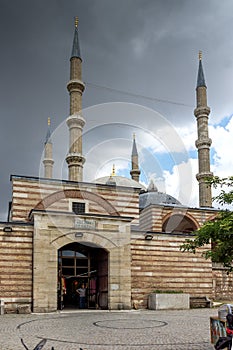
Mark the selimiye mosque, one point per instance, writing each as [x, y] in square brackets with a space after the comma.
[114, 236]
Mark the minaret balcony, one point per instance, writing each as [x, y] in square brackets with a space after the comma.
[135, 171]
[201, 111]
[202, 177]
[75, 120]
[75, 159]
[76, 85]
[205, 143]
[48, 161]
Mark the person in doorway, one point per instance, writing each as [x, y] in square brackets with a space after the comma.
[63, 291]
[63, 284]
[82, 296]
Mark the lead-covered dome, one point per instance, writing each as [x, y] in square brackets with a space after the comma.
[153, 196]
[118, 181]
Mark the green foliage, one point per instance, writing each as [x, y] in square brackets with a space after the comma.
[219, 232]
[223, 197]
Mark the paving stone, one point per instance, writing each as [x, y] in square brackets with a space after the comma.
[109, 330]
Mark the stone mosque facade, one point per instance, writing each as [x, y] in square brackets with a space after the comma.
[120, 240]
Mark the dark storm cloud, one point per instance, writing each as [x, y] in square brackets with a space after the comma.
[142, 46]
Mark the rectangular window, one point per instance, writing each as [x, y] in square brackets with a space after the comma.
[78, 208]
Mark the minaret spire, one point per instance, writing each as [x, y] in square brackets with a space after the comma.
[135, 172]
[76, 48]
[48, 154]
[75, 121]
[203, 141]
[200, 76]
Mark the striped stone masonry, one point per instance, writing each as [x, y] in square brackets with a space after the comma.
[43, 222]
[16, 266]
[29, 192]
[159, 264]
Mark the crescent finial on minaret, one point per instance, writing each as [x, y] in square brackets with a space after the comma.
[200, 55]
[76, 21]
[49, 121]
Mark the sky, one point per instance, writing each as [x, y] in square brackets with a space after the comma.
[140, 62]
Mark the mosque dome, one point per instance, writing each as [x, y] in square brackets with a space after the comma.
[119, 181]
[153, 196]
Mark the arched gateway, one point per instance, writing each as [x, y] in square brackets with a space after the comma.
[80, 265]
[89, 248]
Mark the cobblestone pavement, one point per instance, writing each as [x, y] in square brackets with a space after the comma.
[108, 330]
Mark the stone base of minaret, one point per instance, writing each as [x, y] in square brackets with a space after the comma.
[205, 192]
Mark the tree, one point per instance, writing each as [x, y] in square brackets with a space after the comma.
[218, 233]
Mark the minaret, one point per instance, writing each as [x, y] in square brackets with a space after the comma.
[203, 141]
[135, 172]
[48, 154]
[75, 121]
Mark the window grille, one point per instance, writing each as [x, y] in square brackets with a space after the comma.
[78, 208]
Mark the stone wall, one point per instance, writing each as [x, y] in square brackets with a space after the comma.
[156, 264]
[16, 267]
[222, 284]
[159, 264]
[28, 192]
[152, 218]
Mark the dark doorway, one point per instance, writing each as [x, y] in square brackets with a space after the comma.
[82, 266]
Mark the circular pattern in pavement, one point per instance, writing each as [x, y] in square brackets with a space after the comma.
[99, 331]
[129, 324]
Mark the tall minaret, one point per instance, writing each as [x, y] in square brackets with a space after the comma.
[75, 121]
[135, 172]
[203, 141]
[48, 154]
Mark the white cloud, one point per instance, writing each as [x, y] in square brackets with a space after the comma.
[157, 139]
[188, 136]
[164, 140]
[181, 183]
[223, 145]
[101, 158]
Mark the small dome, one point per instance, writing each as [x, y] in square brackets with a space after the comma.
[153, 196]
[111, 181]
[118, 181]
